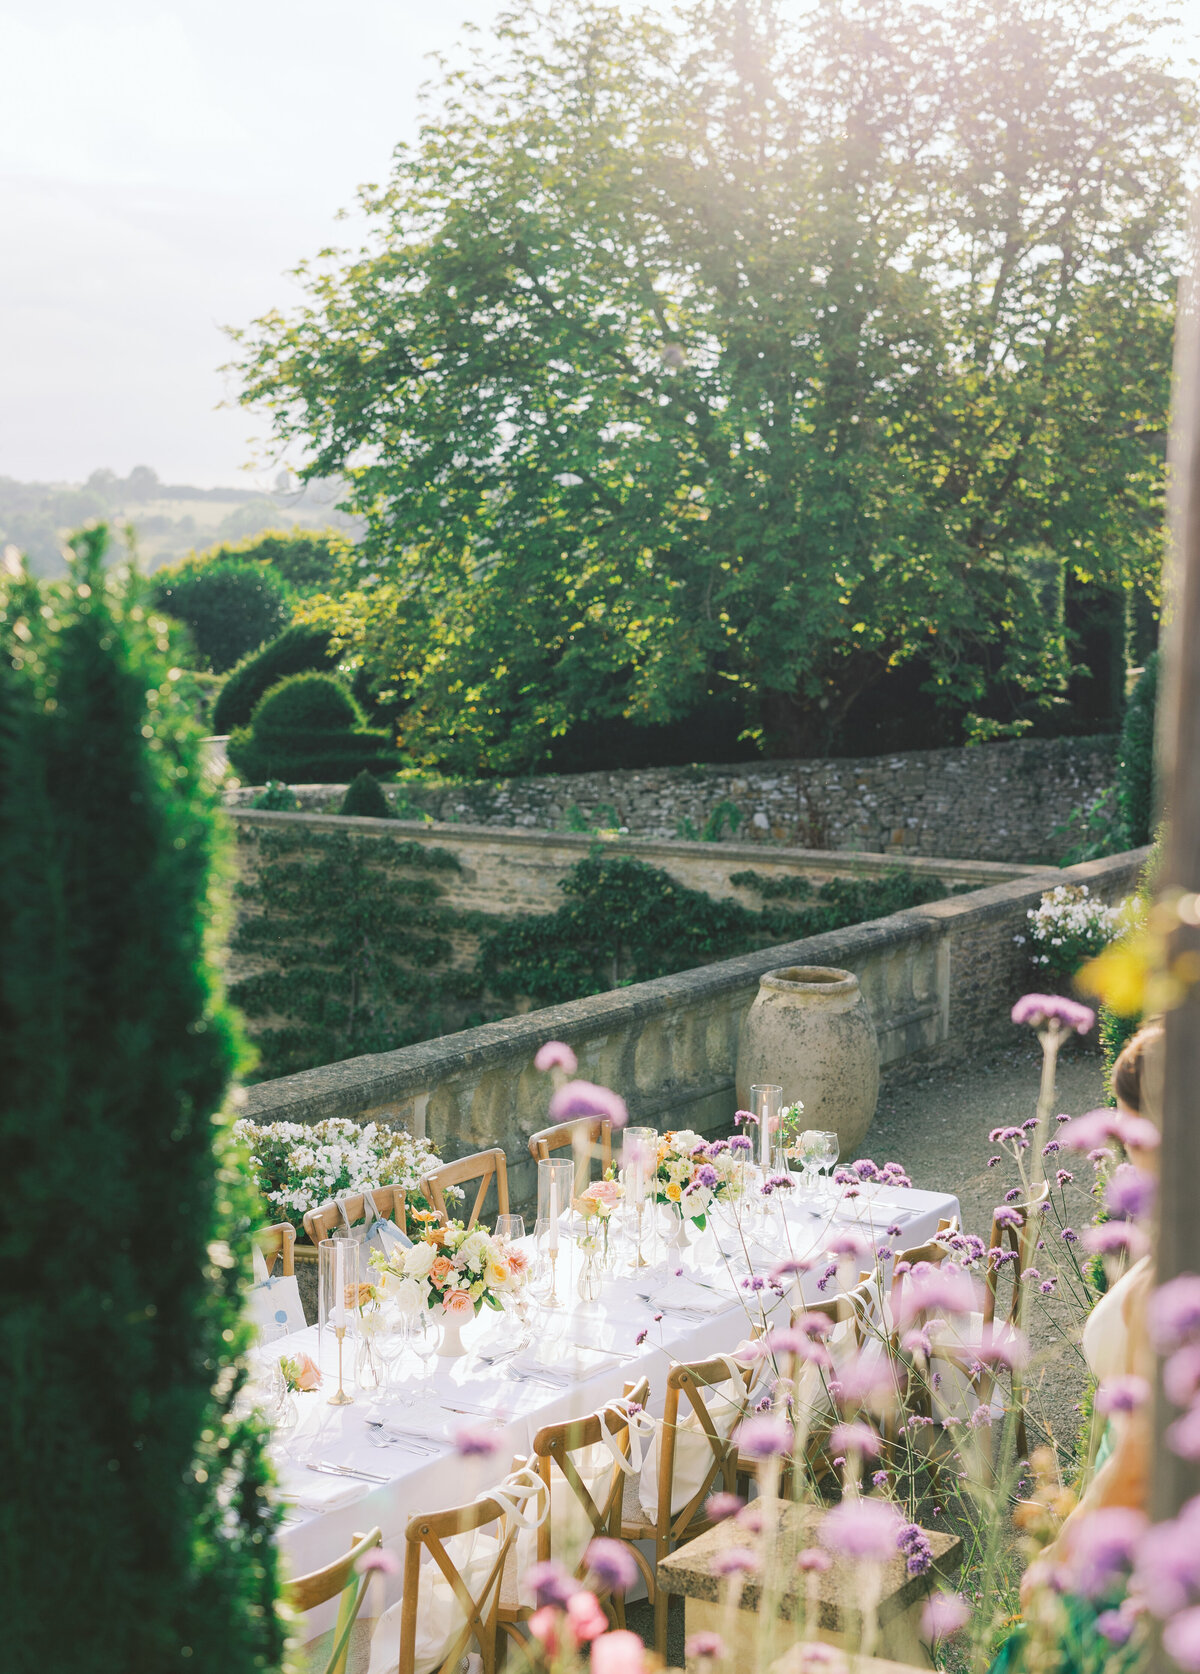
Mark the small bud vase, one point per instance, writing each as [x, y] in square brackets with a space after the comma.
[588, 1284]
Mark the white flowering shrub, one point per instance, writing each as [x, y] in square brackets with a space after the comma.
[1068, 927]
[297, 1165]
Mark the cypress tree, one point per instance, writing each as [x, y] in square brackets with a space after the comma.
[134, 1532]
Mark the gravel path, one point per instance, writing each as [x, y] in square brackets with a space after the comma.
[937, 1129]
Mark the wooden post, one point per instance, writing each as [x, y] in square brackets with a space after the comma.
[1178, 1245]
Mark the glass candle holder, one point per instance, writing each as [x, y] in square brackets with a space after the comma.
[337, 1307]
[766, 1103]
[639, 1163]
[555, 1189]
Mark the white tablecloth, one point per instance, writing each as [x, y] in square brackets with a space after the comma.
[796, 1224]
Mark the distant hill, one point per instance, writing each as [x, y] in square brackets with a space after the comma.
[168, 519]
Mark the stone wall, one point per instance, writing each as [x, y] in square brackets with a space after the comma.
[509, 872]
[939, 979]
[993, 802]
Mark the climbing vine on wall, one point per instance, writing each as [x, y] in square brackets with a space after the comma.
[349, 945]
[624, 921]
[354, 944]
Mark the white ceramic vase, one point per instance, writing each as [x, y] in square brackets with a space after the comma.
[452, 1346]
[809, 1031]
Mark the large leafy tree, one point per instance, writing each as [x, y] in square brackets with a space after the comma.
[750, 357]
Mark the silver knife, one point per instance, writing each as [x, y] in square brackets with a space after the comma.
[330, 1469]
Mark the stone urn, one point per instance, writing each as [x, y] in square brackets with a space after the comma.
[809, 1031]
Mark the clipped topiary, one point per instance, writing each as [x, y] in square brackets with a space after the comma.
[229, 608]
[308, 730]
[298, 650]
[364, 797]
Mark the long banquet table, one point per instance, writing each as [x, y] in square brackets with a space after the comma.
[466, 1393]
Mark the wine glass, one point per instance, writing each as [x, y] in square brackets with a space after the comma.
[510, 1227]
[829, 1149]
[424, 1336]
[810, 1148]
[391, 1344]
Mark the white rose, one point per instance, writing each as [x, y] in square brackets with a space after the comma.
[419, 1260]
[473, 1249]
[686, 1141]
[408, 1295]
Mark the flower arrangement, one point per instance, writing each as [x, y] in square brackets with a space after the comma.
[691, 1174]
[452, 1267]
[296, 1166]
[1068, 927]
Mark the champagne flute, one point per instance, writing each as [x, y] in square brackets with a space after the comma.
[811, 1146]
[424, 1336]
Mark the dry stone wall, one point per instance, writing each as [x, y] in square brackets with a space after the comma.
[999, 802]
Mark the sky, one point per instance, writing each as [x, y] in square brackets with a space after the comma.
[162, 166]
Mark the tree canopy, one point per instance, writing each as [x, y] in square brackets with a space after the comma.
[748, 357]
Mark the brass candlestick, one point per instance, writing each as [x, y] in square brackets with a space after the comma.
[340, 1399]
[552, 1300]
[641, 1260]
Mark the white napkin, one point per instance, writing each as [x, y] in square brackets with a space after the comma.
[682, 1295]
[319, 1490]
[566, 1362]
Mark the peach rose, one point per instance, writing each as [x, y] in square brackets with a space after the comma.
[457, 1304]
[518, 1261]
[607, 1193]
[308, 1375]
[441, 1270]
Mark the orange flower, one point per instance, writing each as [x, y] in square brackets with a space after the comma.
[457, 1304]
[307, 1374]
[441, 1270]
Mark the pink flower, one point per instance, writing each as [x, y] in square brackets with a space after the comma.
[555, 1055]
[612, 1563]
[1103, 1548]
[1130, 1193]
[812, 1561]
[864, 1529]
[472, 1441]
[1175, 1311]
[383, 1563]
[1042, 1009]
[618, 1653]
[944, 1290]
[584, 1098]
[1183, 1437]
[761, 1438]
[717, 1507]
[1181, 1639]
[585, 1618]
[605, 1192]
[944, 1614]
[1002, 1345]
[543, 1625]
[735, 1560]
[1181, 1375]
[1122, 1394]
[457, 1304]
[1115, 1238]
[854, 1438]
[704, 1646]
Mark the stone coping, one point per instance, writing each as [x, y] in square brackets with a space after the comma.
[661, 850]
[690, 1573]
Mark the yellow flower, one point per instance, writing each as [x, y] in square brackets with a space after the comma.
[674, 1191]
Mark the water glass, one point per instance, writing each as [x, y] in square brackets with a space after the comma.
[510, 1227]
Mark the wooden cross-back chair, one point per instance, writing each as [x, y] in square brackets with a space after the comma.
[326, 1218]
[687, 1386]
[586, 1136]
[555, 1451]
[484, 1166]
[480, 1607]
[278, 1243]
[338, 1579]
[934, 1252]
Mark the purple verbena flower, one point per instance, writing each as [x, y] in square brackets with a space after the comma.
[705, 1646]
[740, 1143]
[944, 1614]
[472, 1441]
[763, 1438]
[1174, 1312]
[717, 1507]
[1122, 1394]
[1181, 1639]
[1116, 1238]
[735, 1560]
[1064, 1177]
[855, 1438]
[612, 1563]
[918, 1553]
[1103, 1549]
[812, 1561]
[551, 1584]
[744, 1116]
[1181, 1375]
[584, 1098]
[1130, 1193]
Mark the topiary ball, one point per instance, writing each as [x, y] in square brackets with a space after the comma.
[364, 797]
[306, 703]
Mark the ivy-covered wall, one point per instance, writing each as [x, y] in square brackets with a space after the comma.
[350, 943]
